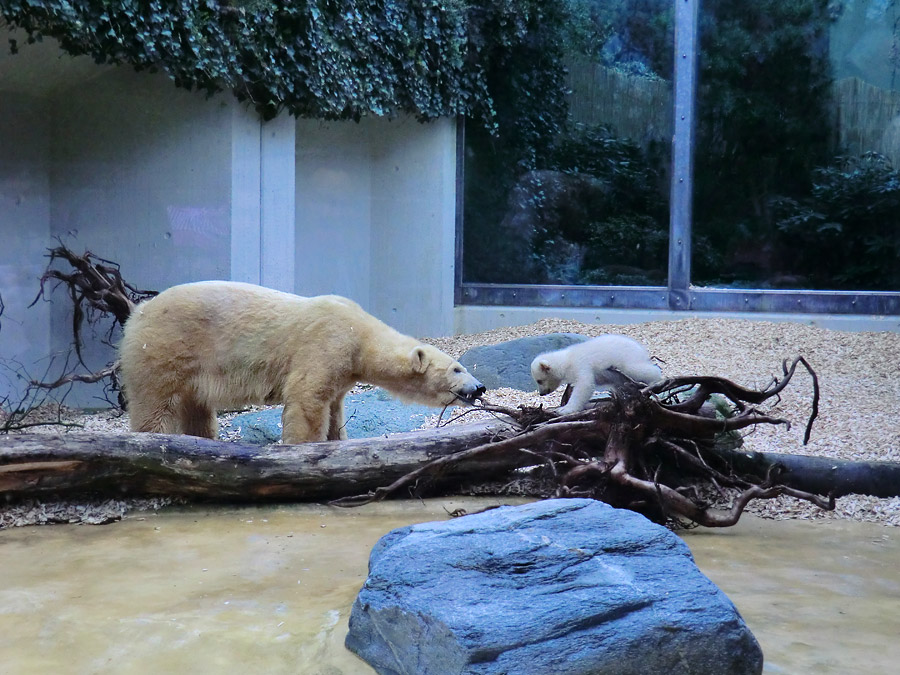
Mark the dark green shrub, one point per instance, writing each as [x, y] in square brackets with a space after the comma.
[764, 106]
[592, 212]
[846, 233]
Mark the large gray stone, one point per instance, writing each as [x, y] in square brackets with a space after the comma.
[561, 587]
[367, 413]
[508, 364]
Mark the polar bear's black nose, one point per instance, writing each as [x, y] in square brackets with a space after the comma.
[479, 390]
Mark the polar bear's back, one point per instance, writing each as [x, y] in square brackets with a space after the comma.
[615, 349]
[230, 340]
[230, 309]
[221, 297]
[623, 353]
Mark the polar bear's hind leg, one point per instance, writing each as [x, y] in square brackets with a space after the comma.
[197, 418]
[336, 428]
[154, 416]
[648, 372]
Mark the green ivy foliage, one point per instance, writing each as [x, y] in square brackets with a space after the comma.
[324, 59]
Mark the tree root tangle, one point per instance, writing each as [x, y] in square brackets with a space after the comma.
[650, 449]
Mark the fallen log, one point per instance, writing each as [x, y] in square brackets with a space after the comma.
[115, 465]
[657, 450]
[76, 464]
[822, 475]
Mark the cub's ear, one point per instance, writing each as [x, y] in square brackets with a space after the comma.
[419, 359]
[544, 366]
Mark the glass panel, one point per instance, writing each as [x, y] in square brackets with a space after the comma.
[798, 145]
[576, 193]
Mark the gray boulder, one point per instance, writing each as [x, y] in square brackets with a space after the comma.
[366, 414]
[508, 364]
[262, 427]
[565, 586]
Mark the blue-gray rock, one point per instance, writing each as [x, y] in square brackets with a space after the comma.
[375, 412]
[561, 587]
[508, 364]
[261, 427]
[368, 413]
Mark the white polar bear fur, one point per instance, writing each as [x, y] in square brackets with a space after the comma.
[586, 366]
[201, 347]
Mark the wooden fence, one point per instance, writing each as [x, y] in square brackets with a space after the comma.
[639, 108]
[867, 117]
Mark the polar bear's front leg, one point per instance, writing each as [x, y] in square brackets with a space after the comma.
[304, 421]
[309, 399]
[582, 390]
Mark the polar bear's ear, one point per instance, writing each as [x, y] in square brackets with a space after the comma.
[544, 366]
[419, 359]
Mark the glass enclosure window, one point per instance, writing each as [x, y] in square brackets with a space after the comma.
[577, 194]
[798, 145]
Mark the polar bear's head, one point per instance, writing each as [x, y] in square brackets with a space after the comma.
[545, 374]
[440, 380]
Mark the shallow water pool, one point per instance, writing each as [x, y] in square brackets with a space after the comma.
[269, 589]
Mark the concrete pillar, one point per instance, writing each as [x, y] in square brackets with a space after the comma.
[262, 199]
[277, 203]
[414, 226]
[245, 195]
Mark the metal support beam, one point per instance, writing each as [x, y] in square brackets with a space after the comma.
[681, 193]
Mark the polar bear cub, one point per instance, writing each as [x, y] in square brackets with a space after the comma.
[586, 366]
[201, 347]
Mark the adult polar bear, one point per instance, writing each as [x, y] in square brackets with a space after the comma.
[208, 345]
[599, 362]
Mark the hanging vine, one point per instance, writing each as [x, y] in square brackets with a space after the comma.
[325, 59]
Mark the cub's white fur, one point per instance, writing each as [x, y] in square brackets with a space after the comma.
[587, 365]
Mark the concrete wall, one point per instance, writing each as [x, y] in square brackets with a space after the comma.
[475, 319]
[178, 187]
[376, 218]
[25, 233]
[139, 173]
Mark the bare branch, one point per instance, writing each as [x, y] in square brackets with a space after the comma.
[88, 378]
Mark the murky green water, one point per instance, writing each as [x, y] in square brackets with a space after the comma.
[269, 589]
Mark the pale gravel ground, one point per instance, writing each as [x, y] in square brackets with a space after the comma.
[859, 411]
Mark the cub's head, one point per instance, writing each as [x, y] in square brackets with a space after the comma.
[547, 378]
[441, 380]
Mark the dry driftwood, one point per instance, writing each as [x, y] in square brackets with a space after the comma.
[97, 289]
[76, 464]
[79, 464]
[590, 453]
[649, 449]
[98, 292]
[94, 284]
